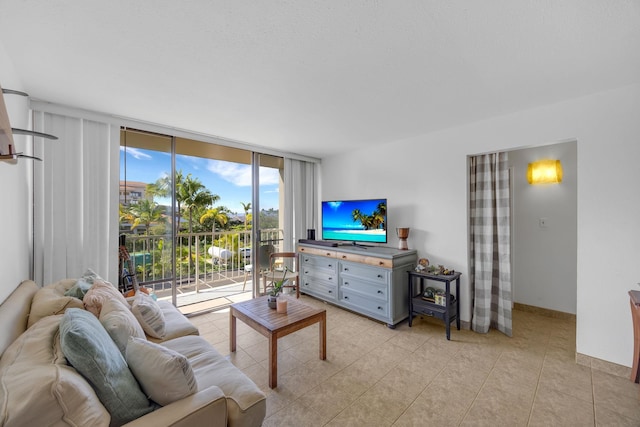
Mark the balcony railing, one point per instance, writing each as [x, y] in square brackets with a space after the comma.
[203, 260]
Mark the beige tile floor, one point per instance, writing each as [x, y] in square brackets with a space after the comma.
[376, 376]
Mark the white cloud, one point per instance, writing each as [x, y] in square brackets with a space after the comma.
[240, 174]
[136, 153]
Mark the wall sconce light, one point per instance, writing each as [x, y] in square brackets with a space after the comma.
[544, 172]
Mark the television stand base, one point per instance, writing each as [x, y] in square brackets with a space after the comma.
[356, 245]
[319, 242]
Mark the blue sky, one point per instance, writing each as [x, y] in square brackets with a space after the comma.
[230, 181]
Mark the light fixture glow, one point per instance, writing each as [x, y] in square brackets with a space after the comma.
[544, 172]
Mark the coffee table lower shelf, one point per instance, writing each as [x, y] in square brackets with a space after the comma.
[273, 325]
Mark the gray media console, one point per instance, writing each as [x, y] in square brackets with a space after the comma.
[368, 280]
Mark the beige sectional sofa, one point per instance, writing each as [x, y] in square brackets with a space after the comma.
[39, 386]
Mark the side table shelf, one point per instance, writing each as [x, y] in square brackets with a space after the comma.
[418, 306]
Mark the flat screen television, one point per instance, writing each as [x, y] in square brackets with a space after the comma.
[355, 220]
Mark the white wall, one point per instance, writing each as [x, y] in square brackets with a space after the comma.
[15, 191]
[425, 180]
[545, 257]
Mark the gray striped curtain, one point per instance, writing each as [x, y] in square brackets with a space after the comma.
[490, 243]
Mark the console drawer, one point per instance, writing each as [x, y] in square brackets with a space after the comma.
[362, 303]
[363, 272]
[322, 290]
[373, 290]
[310, 263]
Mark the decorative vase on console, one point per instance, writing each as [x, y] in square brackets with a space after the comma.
[403, 235]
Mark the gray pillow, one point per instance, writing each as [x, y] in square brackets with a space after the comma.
[79, 289]
[91, 351]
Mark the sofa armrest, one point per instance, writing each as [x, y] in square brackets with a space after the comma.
[207, 407]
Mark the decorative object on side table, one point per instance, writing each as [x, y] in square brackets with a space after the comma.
[423, 263]
[435, 269]
[276, 288]
[403, 235]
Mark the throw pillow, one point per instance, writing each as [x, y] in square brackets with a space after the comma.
[98, 294]
[50, 300]
[91, 277]
[164, 374]
[120, 323]
[149, 314]
[78, 290]
[91, 351]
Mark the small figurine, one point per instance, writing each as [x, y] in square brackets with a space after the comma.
[423, 263]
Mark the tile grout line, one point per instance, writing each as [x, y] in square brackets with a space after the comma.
[535, 393]
[464, 416]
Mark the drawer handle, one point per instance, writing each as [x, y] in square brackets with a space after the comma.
[379, 308]
[346, 269]
[346, 283]
[328, 253]
[381, 263]
[346, 297]
[330, 265]
[379, 276]
[379, 291]
[330, 291]
[330, 278]
[306, 260]
[306, 272]
[344, 257]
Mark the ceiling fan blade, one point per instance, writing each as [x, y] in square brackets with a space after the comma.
[14, 92]
[32, 133]
[24, 156]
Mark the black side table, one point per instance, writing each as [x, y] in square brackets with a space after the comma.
[418, 306]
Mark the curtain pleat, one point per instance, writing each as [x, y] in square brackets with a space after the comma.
[490, 260]
[300, 200]
[76, 199]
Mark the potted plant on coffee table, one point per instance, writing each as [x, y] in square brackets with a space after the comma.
[276, 288]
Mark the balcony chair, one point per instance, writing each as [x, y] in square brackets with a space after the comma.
[277, 263]
[264, 252]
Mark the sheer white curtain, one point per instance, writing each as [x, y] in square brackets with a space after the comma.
[76, 199]
[300, 200]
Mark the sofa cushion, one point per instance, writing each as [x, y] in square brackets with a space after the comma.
[37, 387]
[50, 300]
[14, 313]
[149, 314]
[99, 293]
[176, 324]
[120, 323]
[90, 350]
[164, 374]
[246, 403]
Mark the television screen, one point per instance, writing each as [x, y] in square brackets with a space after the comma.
[355, 220]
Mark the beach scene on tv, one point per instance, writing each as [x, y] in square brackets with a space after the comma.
[355, 220]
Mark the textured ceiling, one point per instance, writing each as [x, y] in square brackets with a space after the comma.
[318, 77]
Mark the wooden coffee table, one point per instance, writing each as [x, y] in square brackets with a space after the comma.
[257, 314]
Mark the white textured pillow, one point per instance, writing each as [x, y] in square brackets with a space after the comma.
[149, 314]
[98, 294]
[164, 374]
[120, 323]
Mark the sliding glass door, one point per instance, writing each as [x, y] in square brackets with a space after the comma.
[199, 251]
